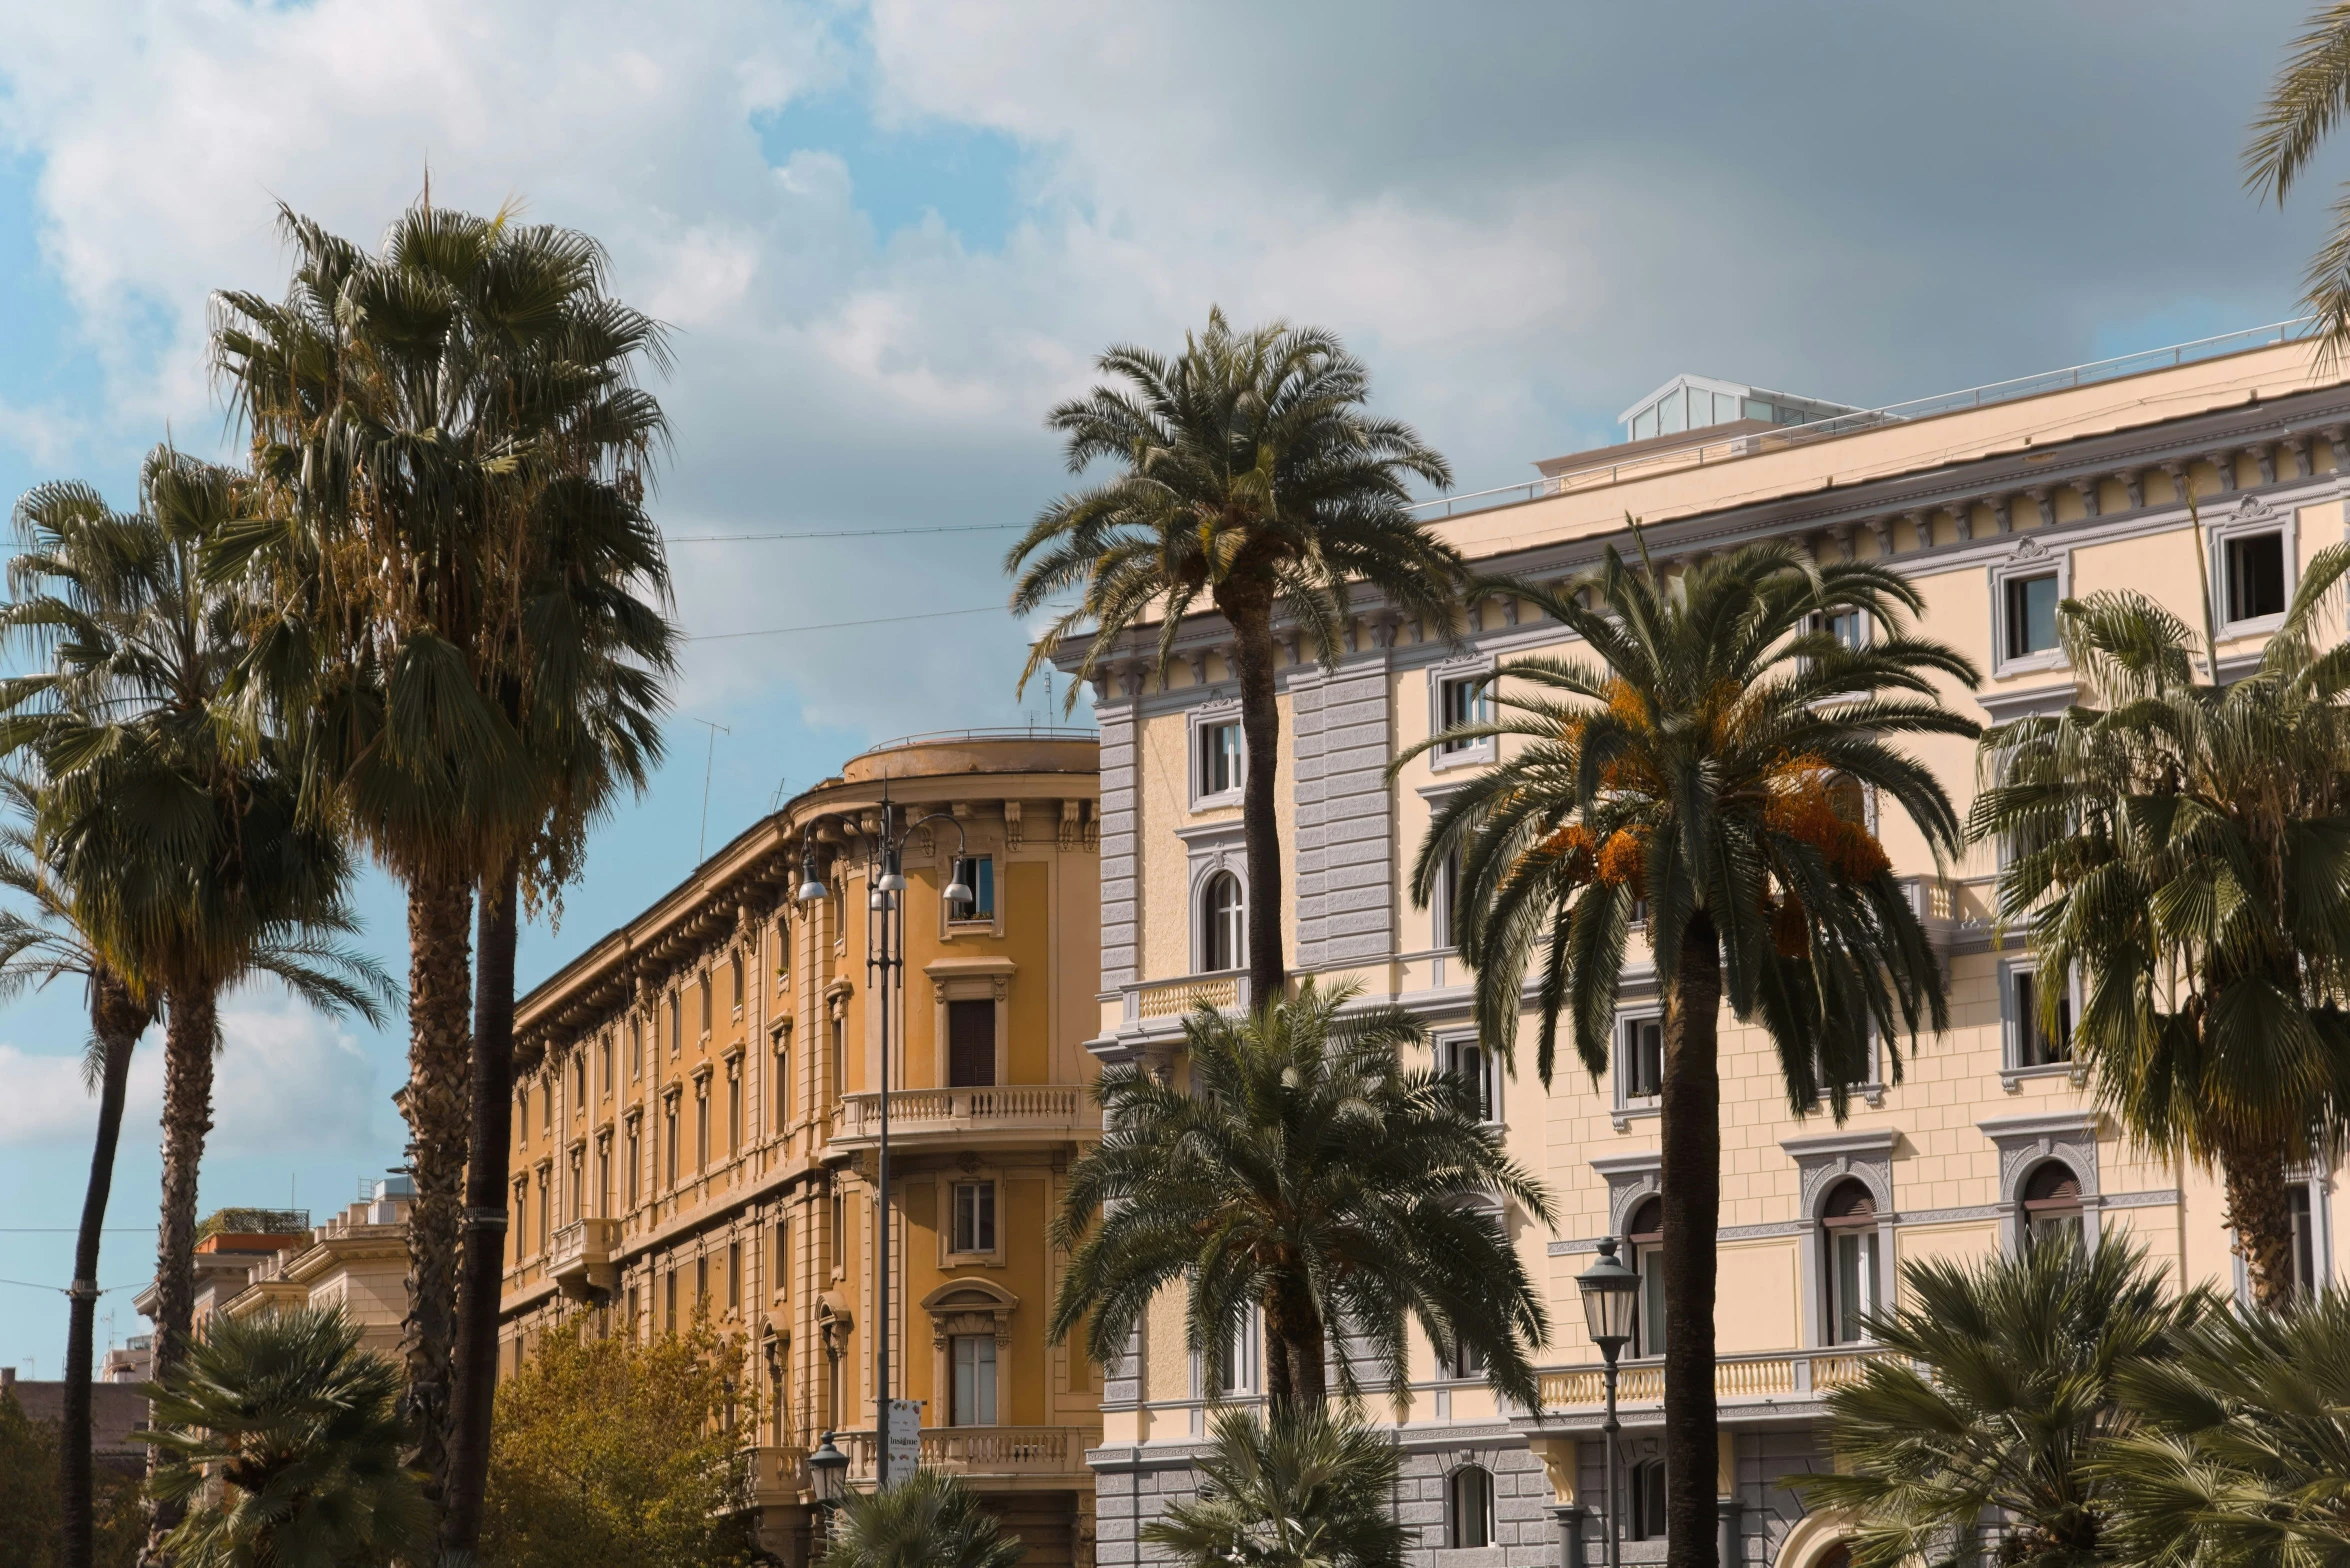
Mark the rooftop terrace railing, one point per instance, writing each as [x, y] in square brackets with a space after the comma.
[1600, 471]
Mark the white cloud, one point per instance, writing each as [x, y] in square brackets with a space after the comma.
[286, 1081]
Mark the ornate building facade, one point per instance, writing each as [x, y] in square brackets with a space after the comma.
[697, 1135]
[1996, 504]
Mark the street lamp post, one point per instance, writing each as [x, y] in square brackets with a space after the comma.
[885, 970]
[825, 1474]
[1611, 1294]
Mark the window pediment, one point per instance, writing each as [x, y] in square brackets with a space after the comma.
[970, 1306]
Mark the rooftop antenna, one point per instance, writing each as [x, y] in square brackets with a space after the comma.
[709, 761]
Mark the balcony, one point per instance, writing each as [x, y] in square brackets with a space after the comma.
[1164, 1002]
[1008, 1113]
[777, 1475]
[985, 1452]
[1782, 1376]
[584, 1258]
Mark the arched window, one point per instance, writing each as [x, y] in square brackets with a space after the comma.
[2052, 1204]
[1468, 1508]
[1646, 1236]
[1222, 938]
[1848, 1223]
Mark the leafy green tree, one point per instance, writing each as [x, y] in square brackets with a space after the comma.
[284, 1443]
[1302, 1489]
[28, 1489]
[1700, 770]
[2241, 1453]
[928, 1520]
[2184, 849]
[1302, 1170]
[611, 1451]
[467, 633]
[1251, 481]
[1998, 1392]
[2304, 105]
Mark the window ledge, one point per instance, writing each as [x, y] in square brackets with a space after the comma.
[1467, 756]
[2052, 659]
[1626, 1115]
[2012, 1079]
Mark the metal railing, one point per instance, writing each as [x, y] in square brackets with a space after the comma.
[1000, 732]
[1791, 1374]
[1747, 443]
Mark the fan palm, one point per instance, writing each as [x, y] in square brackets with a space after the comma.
[1999, 1389]
[1304, 1173]
[1702, 769]
[2241, 1455]
[928, 1520]
[459, 569]
[45, 941]
[2184, 849]
[285, 1439]
[1302, 1490]
[2305, 103]
[1251, 481]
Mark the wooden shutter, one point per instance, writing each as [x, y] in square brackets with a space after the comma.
[970, 1044]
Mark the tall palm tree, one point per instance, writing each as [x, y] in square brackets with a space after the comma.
[47, 940]
[1299, 1490]
[1305, 1174]
[2306, 102]
[181, 839]
[2183, 848]
[459, 572]
[929, 1520]
[1696, 769]
[1999, 1392]
[286, 1441]
[1251, 481]
[2240, 1457]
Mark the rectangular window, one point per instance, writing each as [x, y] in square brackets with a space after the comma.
[1644, 1515]
[636, 1049]
[2031, 615]
[579, 1081]
[521, 1221]
[676, 1023]
[2035, 1046]
[635, 1307]
[545, 1203]
[1852, 1281]
[604, 1064]
[1644, 1058]
[578, 1188]
[1458, 703]
[734, 1111]
[1240, 1361]
[669, 1135]
[977, 874]
[702, 1125]
[2303, 1216]
[702, 1286]
[2256, 576]
[1648, 1258]
[840, 1056]
[734, 1276]
[1846, 626]
[974, 1216]
[840, 1233]
[782, 1258]
[974, 1402]
[1445, 917]
[705, 989]
[970, 1044]
[604, 1176]
[522, 1118]
[635, 1159]
[735, 972]
[782, 1091]
[547, 1102]
[669, 1302]
[1219, 758]
[1467, 1063]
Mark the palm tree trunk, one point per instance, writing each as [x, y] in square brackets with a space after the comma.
[116, 1022]
[439, 1048]
[2261, 1214]
[485, 1218]
[1691, 1172]
[1260, 728]
[1295, 1376]
[191, 1035]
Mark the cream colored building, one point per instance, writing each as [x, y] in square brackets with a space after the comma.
[1995, 503]
[698, 1135]
[357, 1262]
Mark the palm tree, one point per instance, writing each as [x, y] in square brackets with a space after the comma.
[2304, 105]
[928, 1520]
[1304, 1174]
[1998, 1392]
[285, 1440]
[2241, 1454]
[1251, 481]
[1302, 1490]
[48, 942]
[2184, 849]
[1700, 770]
[467, 632]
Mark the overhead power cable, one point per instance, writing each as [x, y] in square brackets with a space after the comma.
[845, 533]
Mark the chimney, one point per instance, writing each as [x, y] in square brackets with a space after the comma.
[7, 1377]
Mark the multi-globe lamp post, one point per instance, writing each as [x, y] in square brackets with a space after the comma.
[1611, 1298]
[884, 970]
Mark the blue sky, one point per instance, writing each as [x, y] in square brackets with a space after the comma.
[889, 236]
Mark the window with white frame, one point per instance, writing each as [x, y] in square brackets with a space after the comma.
[1217, 765]
[2301, 1210]
[2041, 1026]
[974, 1207]
[1468, 1508]
[1223, 941]
[1462, 701]
[1640, 1065]
[2028, 610]
[1849, 627]
[2051, 1202]
[1645, 1239]
[1470, 1065]
[1848, 1225]
[1239, 1363]
[977, 874]
[2252, 566]
[973, 1402]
